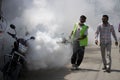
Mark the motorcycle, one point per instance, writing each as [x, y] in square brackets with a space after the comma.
[14, 65]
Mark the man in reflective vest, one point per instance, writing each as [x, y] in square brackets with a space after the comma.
[79, 40]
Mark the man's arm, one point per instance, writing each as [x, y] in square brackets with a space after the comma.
[84, 36]
[97, 32]
[96, 35]
[72, 30]
[114, 35]
[71, 34]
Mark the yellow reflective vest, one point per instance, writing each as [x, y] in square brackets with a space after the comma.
[82, 42]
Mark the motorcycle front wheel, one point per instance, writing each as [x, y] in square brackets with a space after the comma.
[13, 74]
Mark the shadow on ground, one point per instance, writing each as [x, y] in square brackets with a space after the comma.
[47, 74]
[86, 70]
[115, 70]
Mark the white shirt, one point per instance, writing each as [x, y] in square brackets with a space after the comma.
[77, 34]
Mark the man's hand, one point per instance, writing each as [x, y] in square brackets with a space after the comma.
[82, 37]
[116, 43]
[96, 42]
[70, 35]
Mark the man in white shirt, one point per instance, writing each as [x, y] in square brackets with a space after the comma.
[105, 30]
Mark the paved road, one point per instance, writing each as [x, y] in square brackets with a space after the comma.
[90, 69]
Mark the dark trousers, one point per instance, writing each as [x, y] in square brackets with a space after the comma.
[78, 53]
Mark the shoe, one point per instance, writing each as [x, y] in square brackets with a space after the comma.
[104, 68]
[75, 67]
[108, 70]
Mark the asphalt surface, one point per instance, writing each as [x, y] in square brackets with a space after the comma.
[90, 69]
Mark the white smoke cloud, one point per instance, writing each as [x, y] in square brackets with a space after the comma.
[47, 19]
[107, 5]
[46, 53]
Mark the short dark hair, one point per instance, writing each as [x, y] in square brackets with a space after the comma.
[82, 16]
[105, 16]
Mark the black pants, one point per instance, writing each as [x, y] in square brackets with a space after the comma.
[78, 54]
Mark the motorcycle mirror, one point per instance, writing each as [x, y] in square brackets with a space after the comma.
[12, 26]
[32, 37]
